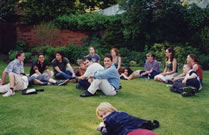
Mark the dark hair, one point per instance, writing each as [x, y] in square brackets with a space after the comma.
[150, 54]
[170, 50]
[108, 56]
[116, 51]
[60, 53]
[194, 57]
[19, 53]
[41, 54]
[129, 70]
[87, 58]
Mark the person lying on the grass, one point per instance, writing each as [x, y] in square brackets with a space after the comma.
[170, 70]
[15, 66]
[60, 63]
[121, 123]
[16, 82]
[192, 59]
[151, 69]
[106, 80]
[82, 68]
[95, 57]
[125, 75]
[92, 67]
[188, 85]
[37, 75]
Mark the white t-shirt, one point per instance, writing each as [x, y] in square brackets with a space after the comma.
[92, 69]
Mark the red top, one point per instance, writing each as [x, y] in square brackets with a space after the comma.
[199, 70]
[141, 132]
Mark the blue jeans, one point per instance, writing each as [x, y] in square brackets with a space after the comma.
[64, 75]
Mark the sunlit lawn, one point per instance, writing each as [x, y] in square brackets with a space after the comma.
[61, 111]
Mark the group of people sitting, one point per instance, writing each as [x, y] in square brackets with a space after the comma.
[92, 76]
[187, 83]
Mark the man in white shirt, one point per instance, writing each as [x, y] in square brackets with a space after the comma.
[15, 66]
[17, 79]
[91, 69]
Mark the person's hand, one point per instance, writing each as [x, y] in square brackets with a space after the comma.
[184, 81]
[91, 76]
[142, 74]
[164, 74]
[90, 80]
[101, 124]
[73, 75]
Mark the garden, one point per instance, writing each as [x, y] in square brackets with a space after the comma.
[144, 26]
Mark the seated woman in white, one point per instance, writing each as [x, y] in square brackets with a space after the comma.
[170, 70]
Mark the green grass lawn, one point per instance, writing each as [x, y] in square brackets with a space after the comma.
[61, 111]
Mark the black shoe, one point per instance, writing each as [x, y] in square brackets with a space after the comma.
[86, 94]
[40, 90]
[169, 82]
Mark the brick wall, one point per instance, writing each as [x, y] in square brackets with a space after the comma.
[27, 34]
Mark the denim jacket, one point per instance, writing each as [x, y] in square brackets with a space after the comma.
[111, 74]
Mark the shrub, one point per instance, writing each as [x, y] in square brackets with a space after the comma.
[132, 63]
[84, 22]
[7, 10]
[204, 61]
[204, 37]
[128, 55]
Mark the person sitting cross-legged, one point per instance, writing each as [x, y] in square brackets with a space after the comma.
[107, 80]
[16, 82]
[188, 84]
[171, 68]
[37, 75]
[60, 64]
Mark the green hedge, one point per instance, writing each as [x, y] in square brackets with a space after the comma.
[84, 22]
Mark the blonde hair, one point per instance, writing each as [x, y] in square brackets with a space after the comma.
[104, 107]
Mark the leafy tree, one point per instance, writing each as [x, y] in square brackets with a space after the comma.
[7, 10]
[37, 11]
[93, 4]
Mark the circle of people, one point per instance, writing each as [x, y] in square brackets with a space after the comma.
[91, 76]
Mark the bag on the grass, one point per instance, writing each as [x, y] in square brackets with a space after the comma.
[31, 91]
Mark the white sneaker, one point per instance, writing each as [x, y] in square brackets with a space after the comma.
[9, 93]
